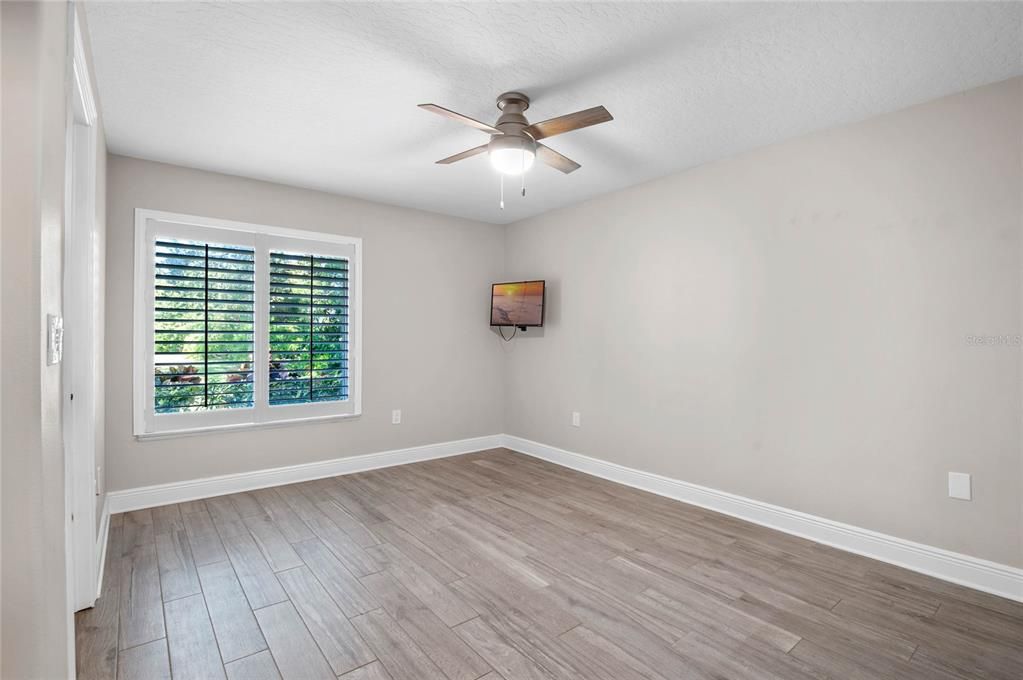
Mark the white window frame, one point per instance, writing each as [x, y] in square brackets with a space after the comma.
[153, 224]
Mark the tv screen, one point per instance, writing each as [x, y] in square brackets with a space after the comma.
[519, 303]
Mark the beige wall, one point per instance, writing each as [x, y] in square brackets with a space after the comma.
[36, 623]
[427, 347]
[791, 325]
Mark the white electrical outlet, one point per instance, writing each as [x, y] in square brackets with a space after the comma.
[576, 419]
[959, 486]
[396, 417]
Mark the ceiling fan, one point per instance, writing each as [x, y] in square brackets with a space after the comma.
[514, 142]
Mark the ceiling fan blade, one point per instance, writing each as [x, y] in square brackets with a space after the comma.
[555, 159]
[569, 122]
[475, 151]
[465, 120]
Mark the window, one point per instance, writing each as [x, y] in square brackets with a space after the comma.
[203, 326]
[308, 328]
[214, 296]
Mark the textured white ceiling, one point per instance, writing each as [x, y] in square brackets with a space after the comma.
[324, 95]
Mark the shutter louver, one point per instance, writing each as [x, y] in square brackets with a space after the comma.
[203, 326]
[308, 329]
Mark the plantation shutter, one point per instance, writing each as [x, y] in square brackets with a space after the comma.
[240, 325]
[203, 326]
[308, 328]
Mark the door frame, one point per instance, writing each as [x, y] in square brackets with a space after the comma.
[79, 364]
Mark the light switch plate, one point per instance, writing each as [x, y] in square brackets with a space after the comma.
[576, 419]
[959, 486]
[396, 417]
[54, 339]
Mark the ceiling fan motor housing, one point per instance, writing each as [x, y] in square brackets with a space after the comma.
[512, 141]
[512, 124]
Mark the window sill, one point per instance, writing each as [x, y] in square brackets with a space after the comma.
[243, 427]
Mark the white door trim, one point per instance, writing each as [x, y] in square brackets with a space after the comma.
[78, 371]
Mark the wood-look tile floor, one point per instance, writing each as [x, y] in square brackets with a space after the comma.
[495, 565]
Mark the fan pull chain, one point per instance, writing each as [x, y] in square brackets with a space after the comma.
[502, 192]
[523, 156]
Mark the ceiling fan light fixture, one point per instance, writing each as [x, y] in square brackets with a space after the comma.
[514, 142]
[511, 154]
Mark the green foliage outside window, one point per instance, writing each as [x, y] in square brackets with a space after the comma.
[204, 307]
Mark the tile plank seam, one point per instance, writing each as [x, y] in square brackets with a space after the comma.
[726, 583]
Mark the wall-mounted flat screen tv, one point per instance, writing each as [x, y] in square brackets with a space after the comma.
[518, 303]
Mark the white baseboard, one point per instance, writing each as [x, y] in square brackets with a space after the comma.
[178, 492]
[101, 544]
[983, 575]
[990, 577]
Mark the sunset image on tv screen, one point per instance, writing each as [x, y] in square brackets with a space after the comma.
[517, 304]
